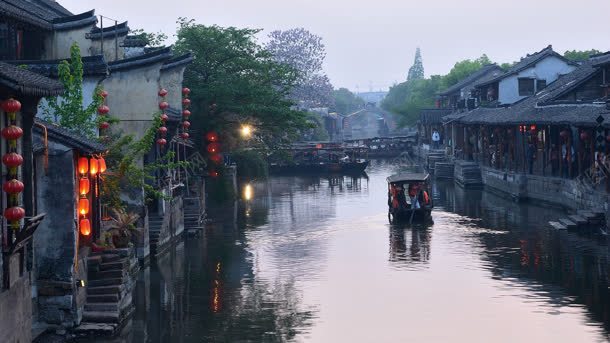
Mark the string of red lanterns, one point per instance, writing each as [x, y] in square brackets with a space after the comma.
[13, 213]
[87, 167]
[103, 111]
[186, 103]
[163, 106]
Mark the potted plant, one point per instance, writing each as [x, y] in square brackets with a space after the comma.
[122, 227]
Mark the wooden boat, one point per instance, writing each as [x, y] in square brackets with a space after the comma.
[409, 198]
[321, 160]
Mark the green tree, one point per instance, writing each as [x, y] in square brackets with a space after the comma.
[346, 102]
[68, 109]
[463, 69]
[151, 39]
[579, 56]
[234, 80]
[408, 98]
[416, 72]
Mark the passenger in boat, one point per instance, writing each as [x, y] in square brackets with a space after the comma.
[413, 192]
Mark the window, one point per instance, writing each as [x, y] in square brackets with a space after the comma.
[526, 87]
[540, 85]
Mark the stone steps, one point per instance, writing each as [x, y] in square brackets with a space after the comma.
[102, 306]
[444, 170]
[568, 223]
[557, 226]
[105, 290]
[106, 282]
[103, 298]
[118, 265]
[101, 316]
[106, 274]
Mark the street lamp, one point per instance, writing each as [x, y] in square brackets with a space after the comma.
[246, 131]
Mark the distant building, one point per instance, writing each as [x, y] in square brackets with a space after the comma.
[372, 97]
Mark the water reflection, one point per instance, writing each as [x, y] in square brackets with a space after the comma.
[313, 259]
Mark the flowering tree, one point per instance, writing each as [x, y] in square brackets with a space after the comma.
[305, 53]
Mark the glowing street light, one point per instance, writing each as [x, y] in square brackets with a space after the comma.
[248, 192]
[246, 131]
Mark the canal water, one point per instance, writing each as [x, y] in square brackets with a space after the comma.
[313, 259]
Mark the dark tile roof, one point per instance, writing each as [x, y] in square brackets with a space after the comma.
[543, 108]
[157, 56]
[527, 62]
[433, 115]
[75, 21]
[109, 31]
[17, 12]
[67, 137]
[27, 82]
[92, 66]
[482, 75]
[178, 61]
[601, 59]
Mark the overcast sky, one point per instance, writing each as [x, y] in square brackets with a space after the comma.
[371, 44]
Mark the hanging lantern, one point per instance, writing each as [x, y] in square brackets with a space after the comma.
[211, 136]
[83, 165]
[186, 114]
[213, 173]
[163, 105]
[94, 168]
[83, 206]
[13, 214]
[184, 135]
[102, 165]
[186, 91]
[162, 130]
[584, 136]
[84, 186]
[85, 227]
[213, 148]
[104, 94]
[103, 110]
[13, 186]
[164, 117]
[11, 106]
[186, 124]
[533, 132]
[186, 102]
[12, 133]
[162, 92]
[104, 125]
[161, 142]
[216, 158]
[12, 160]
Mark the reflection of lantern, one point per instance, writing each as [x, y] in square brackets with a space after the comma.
[85, 227]
[83, 165]
[211, 136]
[84, 186]
[213, 148]
[83, 206]
[102, 164]
[94, 168]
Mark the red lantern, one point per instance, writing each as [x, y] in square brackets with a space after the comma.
[162, 92]
[104, 94]
[186, 113]
[184, 135]
[186, 102]
[211, 136]
[83, 206]
[186, 124]
[83, 165]
[12, 133]
[164, 117]
[85, 227]
[584, 135]
[11, 106]
[104, 125]
[94, 167]
[186, 91]
[162, 130]
[213, 173]
[13, 214]
[213, 148]
[12, 160]
[13, 186]
[161, 142]
[533, 132]
[103, 110]
[102, 164]
[84, 186]
[163, 105]
[216, 158]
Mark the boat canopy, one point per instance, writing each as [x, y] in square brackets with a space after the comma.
[408, 177]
